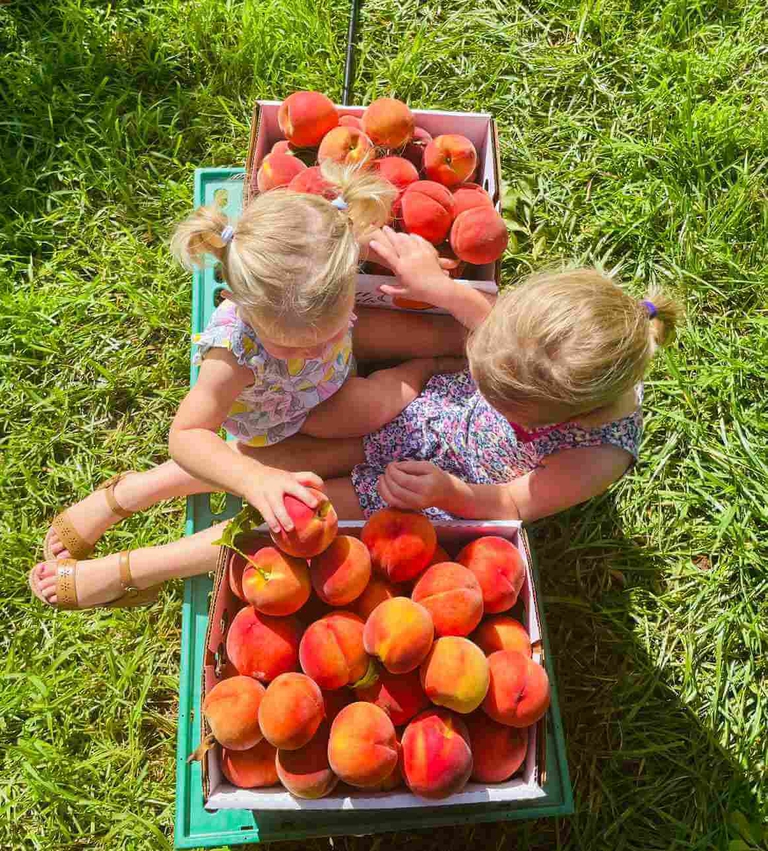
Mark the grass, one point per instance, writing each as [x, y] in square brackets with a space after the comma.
[634, 134]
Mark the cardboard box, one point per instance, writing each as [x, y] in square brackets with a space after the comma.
[526, 785]
[479, 128]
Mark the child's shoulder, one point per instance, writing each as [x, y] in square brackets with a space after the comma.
[226, 330]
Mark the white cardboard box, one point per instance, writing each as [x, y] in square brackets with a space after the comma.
[478, 127]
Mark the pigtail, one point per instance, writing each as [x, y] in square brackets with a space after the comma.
[198, 235]
[368, 197]
[667, 316]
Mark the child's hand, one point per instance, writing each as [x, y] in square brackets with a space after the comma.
[415, 262]
[414, 485]
[267, 495]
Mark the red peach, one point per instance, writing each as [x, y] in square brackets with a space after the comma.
[261, 646]
[467, 196]
[426, 209]
[331, 651]
[237, 563]
[401, 543]
[275, 583]
[351, 121]
[341, 573]
[414, 150]
[479, 235]
[347, 146]
[498, 751]
[518, 694]
[305, 772]
[437, 759]
[305, 117]
[499, 569]
[282, 147]
[502, 633]
[251, 769]
[363, 748]
[388, 122]
[231, 708]
[277, 170]
[455, 674]
[452, 595]
[313, 528]
[291, 711]
[450, 159]
[311, 182]
[401, 697]
[398, 171]
[377, 591]
[399, 632]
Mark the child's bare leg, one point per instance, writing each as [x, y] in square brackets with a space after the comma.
[395, 335]
[364, 405]
[328, 458]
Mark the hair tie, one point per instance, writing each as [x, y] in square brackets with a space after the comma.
[339, 203]
[227, 234]
[650, 307]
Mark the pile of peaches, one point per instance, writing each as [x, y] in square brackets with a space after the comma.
[411, 673]
[436, 198]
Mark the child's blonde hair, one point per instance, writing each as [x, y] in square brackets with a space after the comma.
[291, 258]
[563, 344]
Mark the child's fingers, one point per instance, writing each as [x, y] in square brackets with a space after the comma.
[310, 480]
[277, 506]
[385, 253]
[406, 498]
[388, 289]
[408, 482]
[300, 492]
[414, 468]
[263, 507]
[386, 494]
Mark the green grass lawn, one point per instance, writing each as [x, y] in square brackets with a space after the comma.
[634, 134]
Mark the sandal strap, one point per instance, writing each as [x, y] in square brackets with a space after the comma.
[66, 592]
[126, 580]
[109, 492]
[70, 537]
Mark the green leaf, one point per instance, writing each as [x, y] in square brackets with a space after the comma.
[244, 523]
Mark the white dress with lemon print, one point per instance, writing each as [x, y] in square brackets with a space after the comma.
[283, 391]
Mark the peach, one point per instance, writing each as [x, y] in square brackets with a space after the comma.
[411, 304]
[311, 182]
[331, 651]
[426, 208]
[275, 583]
[450, 159]
[251, 769]
[363, 748]
[305, 117]
[502, 633]
[291, 711]
[414, 150]
[498, 567]
[399, 633]
[346, 145]
[282, 147]
[351, 121]
[376, 591]
[261, 646]
[401, 697]
[388, 122]
[518, 694]
[398, 171]
[437, 759]
[231, 709]
[466, 196]
[455, 674]
[479, 235]
[334, 701]
[313, 528]
[390, 783]
[498, 751]
[401, 543]
[277, 170]
[237, 564]
[452, 595]
[305, 772]
[341, 573]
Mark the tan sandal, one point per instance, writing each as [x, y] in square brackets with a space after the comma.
[131, 597]
[78, 547]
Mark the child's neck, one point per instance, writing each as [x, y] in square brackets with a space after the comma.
[622, 407]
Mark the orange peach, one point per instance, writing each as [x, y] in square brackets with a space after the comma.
[498, 751]
[502, 633]
[426, 208]
[390, 783]
[479, 235]
[231, 709]
[399, 633]
[311, 182]
[388, 122]
[518, 694]
[398, 171]
[313, 528]
[437, 759]
[275, 583]
[455, 674]
[466, 196]
[261, 646]
[331, 651]
[414, 150]
[305, 117]
[363, 748]
[334, 701]
[237, 564]
[452, 595]
[305, 772]
[251, 769]
[499, 569]
[291, 711]
[282, 147]
[401, 543]
[401, 697]
[341, 573]
[277, 170]
[347, 146]
[376, 591]
[351, 121]
[450, 159]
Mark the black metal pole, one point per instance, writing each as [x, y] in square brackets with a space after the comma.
[349, 65]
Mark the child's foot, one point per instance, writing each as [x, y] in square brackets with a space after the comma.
[97, 581]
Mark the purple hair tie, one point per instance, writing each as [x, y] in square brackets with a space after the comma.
[650, 307]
